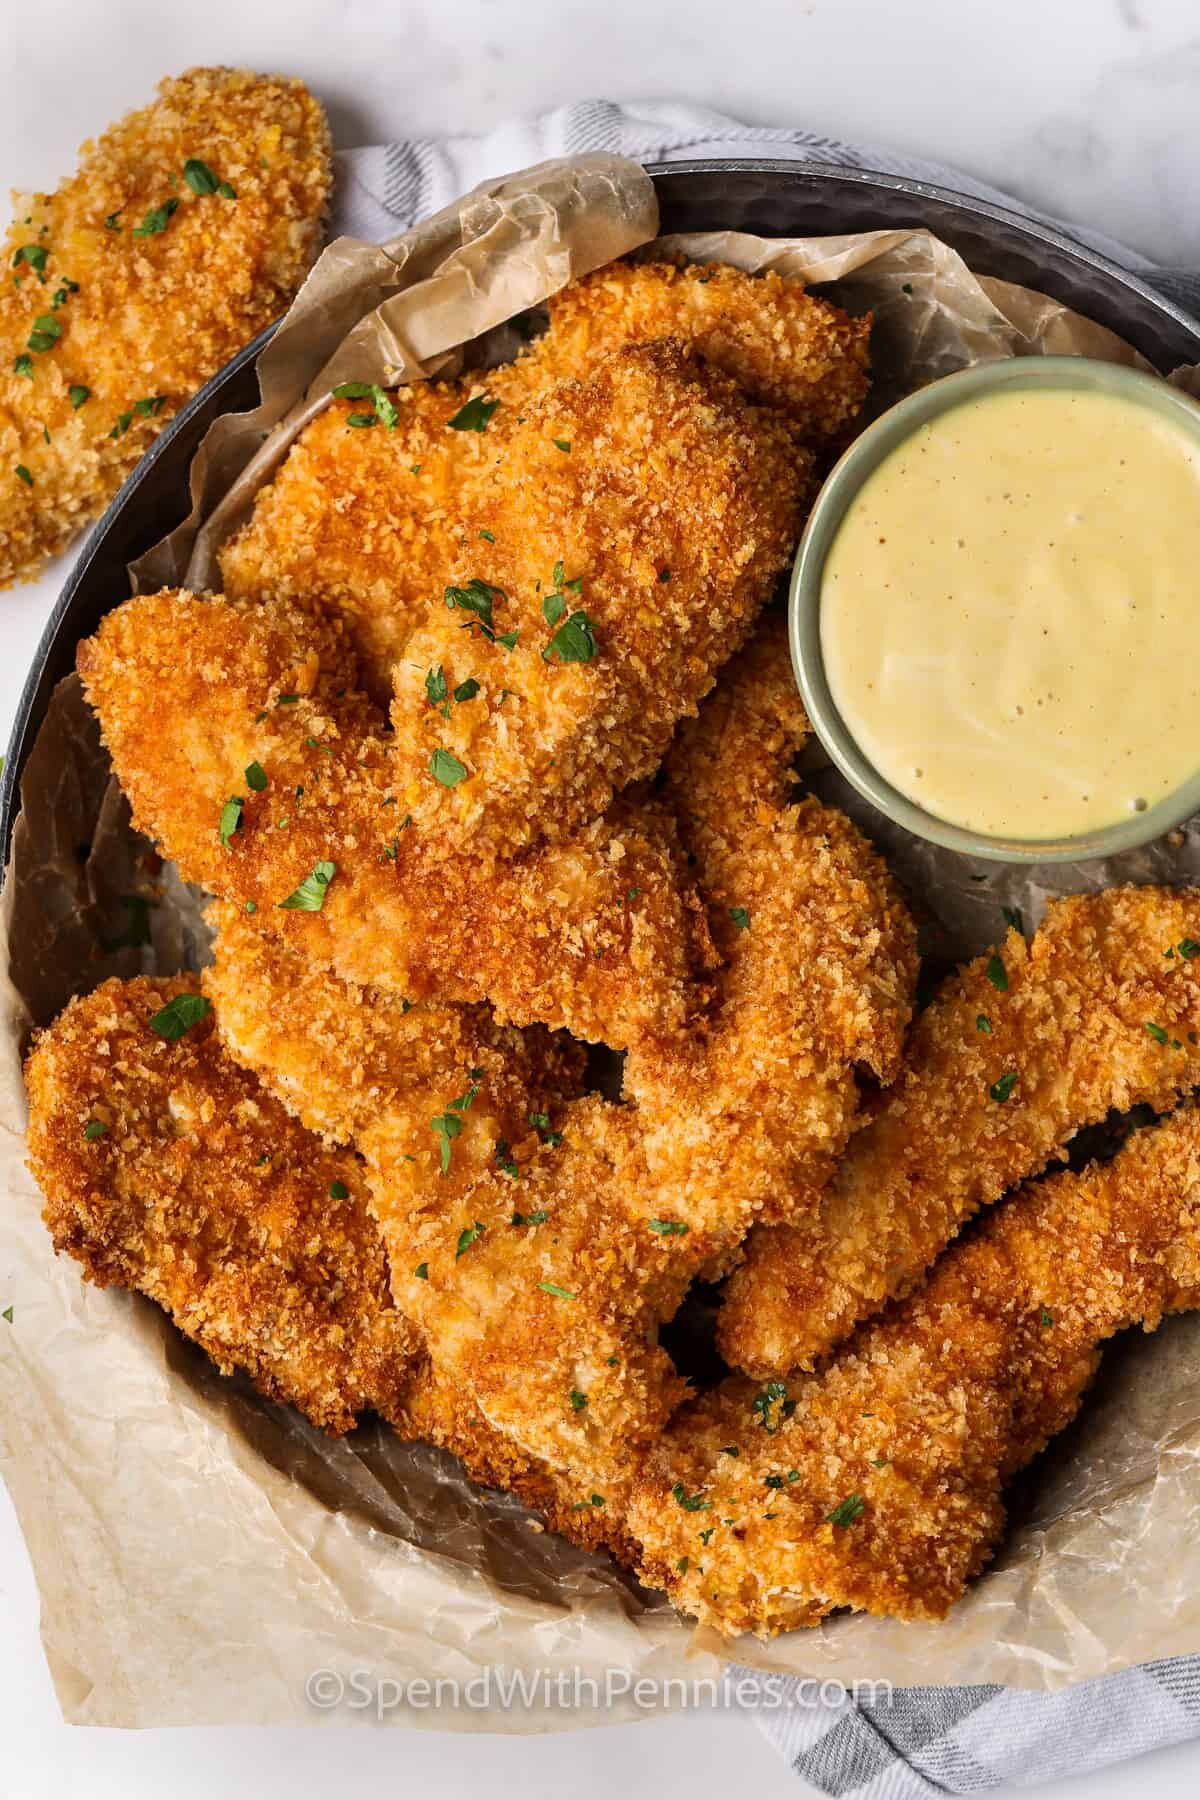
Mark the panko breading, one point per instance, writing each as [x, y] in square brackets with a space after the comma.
[785, 348]
[187, 228]
[743, 1121]
[200, 700]
[201, 1192]
[368, 521]
[166, 1168]
[1018, 1051]
[877, 1484]
[635, 524]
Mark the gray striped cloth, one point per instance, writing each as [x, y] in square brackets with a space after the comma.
[921, 1740]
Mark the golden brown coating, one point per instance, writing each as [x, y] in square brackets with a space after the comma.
[785, 348]
[1018, 1051]
[200, 699]
[131, 288]
[368, 521]
[743, 1121]
[632, 529]
[166, 1168]
[877, 1484]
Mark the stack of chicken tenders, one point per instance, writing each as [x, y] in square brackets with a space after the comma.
[485, 755]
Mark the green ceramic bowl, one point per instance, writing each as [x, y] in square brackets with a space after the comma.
[837, 495]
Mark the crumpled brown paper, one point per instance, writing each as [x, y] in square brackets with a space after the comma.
[200, 1553]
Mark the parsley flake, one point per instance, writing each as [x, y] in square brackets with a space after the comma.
[95, 1128]
[113, 221]
[199, 176]
[1001, 1090]
[422, 1271]
[563, 444]
[78, 395]
[23, 365]
[468, 1236]
[1188, 947]
[338, 1190]
[446, 768]
[24, 475]
[46, 332]
[466, 690]
[996, 973]
[1013, 916]
[774, 1395]
[574, 641]
[983, 1023]
[231, 818]
[156, 220]
[668, 1227]
[740, 917]
[504, 1160]
[1156, 1032]
[689, 1502]
[578, 1400]
[849, 1509]
[310, 895]
[435, 686]
[446, 1127]
[179, 1015]
[1046, 1317]
[33, 254]
[256, 777]
[560, 1293]
[475, 415]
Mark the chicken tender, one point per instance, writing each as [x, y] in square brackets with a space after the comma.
[1016, 1053]
[252, 760]
[877, 1484]
[187, 228]
[744, 1120]
[632, 530]
[167, 1169]
[368, 520]
[785, 349]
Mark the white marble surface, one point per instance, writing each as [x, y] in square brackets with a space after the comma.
[1087, 107]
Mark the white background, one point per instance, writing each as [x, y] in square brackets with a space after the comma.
[1088, 108]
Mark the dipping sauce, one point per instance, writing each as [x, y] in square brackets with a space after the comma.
[1009, 612]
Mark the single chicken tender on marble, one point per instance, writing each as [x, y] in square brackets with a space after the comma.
[1015, 1054]
[187, 227]
[630, 534]
[877, 1484]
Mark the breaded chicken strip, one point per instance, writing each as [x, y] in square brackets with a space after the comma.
[247, 717]
[1018, 1051]
[369, 520]
[630, 534]
[166, 1168]
[784, 348]
[187, 228]
[877, 1484]
[744, 1119]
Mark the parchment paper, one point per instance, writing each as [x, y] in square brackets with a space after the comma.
[201, 1553]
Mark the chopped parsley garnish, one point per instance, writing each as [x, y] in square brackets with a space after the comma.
[33, 254]
[124, 421]
[384, 413]
[46, 332]
[200, 177]
[435, 687]
[681, 1566]
[231, 818]
[156, 220]
[1188, 947]
[668, 1227]
[1046, 1317]
[95, 1128]
[489, 537]
[476, 597]
[578, 1400]
[997, 974]
[446, 768]
[23, 365]
[631, 894]
[574, 641]
[1001, 1090]
[1014, 917]
[7, 1315]
[563, 444]
[113, 221]
[179, 1015]
[740, 917]
[338, 1190]
[560, 1293]
[256, 777]
[689, 1502]
[534, 1218]
[62, 294]
[729, 1450]
[466, 690]
[422, 1271]
[664, 574]
[553, 608]
[475, 415]
[849, 1509]
[151, 406]
[24, 475]
[288, 700]
[78, 395]
[983, 1023]
[310, 895]
[774, 1395]
[468, 1236]
[541, 1124]
[252, 906]
[446, 1127]
[504, 1160]
[1156, 1032]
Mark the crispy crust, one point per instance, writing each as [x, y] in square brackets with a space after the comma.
[785, 349]
[672, 505]
[154, 315]
[926, 1413]
[189, 695]
[1072, 1024]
